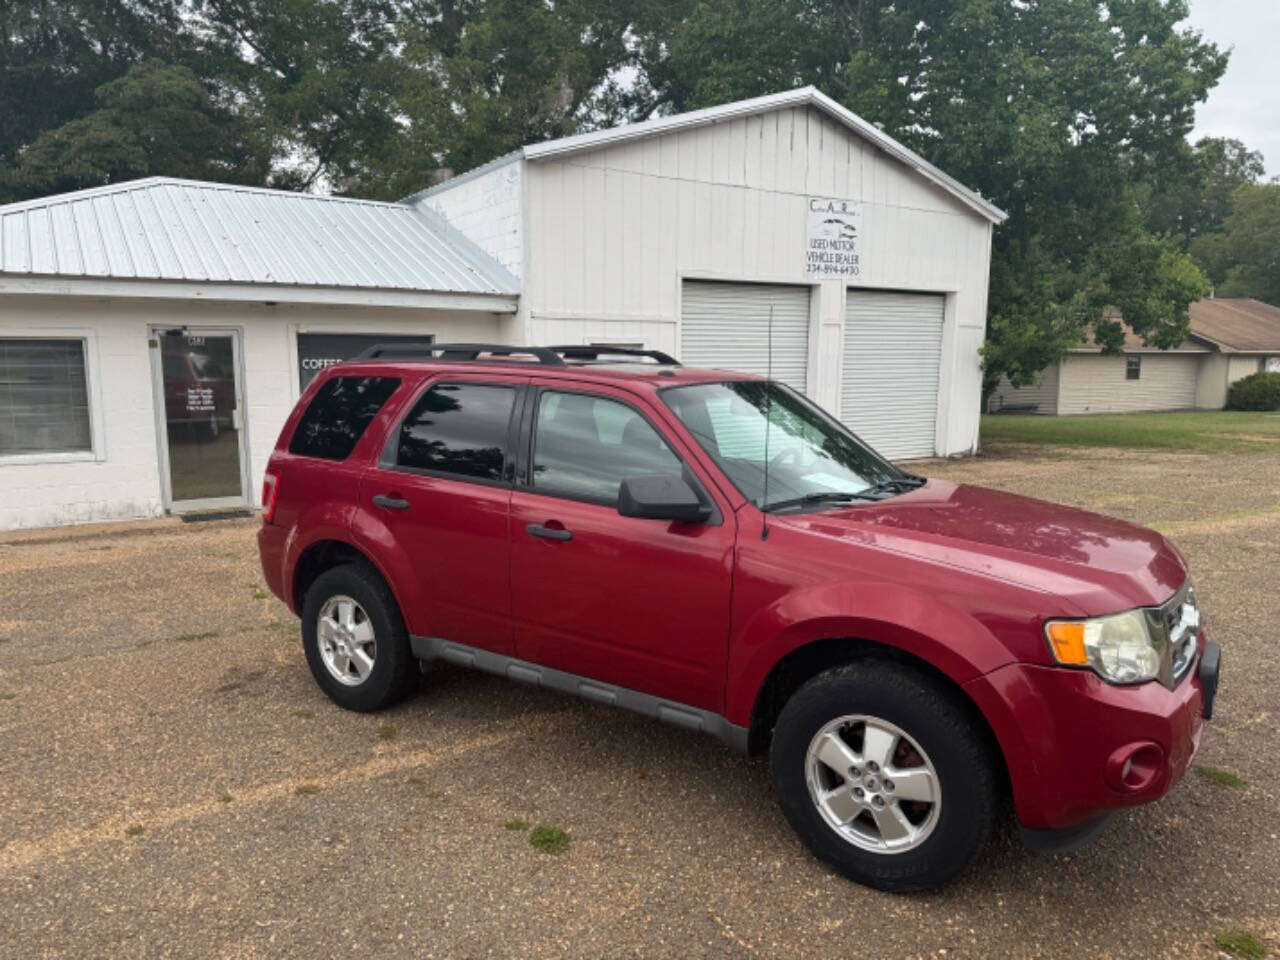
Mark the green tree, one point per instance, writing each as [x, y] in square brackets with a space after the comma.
[321, 75]
[156, 119]
[1191, 196]
[55, 55]
[1057, 110]
[1243, 259]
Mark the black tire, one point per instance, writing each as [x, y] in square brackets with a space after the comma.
[394, 670]
[929, 714]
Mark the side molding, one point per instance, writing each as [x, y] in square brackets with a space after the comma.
[676, 714]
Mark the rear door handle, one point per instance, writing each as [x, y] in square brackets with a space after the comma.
[390, 502]
[548, 533]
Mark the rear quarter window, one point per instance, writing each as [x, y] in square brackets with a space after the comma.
[338, 416]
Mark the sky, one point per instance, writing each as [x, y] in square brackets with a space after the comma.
[1246, 102]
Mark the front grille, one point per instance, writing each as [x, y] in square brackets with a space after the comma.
[1175, 625]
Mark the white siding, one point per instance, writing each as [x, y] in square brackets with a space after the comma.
[125, 481]
[1039, 397]
[892, 360]
[612, 233]
[727, 325]
[1092, 383]
[1211, 382]
[486, 208]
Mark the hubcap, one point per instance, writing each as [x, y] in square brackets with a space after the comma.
[346, 640]
[873, 784]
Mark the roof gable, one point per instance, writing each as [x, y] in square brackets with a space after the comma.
[163, 228]
[803, 96]
[1237, 324]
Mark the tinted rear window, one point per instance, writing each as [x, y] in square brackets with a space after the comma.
[338, 415]
[458, 428]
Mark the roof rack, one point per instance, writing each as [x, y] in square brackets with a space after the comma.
[596, 351]
[453, 352]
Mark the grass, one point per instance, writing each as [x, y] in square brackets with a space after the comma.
[136, 830]
[260, 594]
[388, 731]
[516, 824]
[1208, 431]
[1240, 943]
[8, 696]
[302, 713]
[551, 840]
[1218, 776]
[224, 798]
[306, 789]
[193, 637]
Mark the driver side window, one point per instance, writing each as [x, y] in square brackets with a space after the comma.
[584, 446]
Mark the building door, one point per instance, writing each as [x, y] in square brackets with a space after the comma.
[892, 356]
[199, 403]
[726, 325]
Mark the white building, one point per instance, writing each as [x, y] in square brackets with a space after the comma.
[154, 335]
[1229, 338]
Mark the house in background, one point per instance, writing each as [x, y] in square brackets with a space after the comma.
[1229, 339]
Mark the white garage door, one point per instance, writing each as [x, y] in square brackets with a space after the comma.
[726, 325]
[892, 351]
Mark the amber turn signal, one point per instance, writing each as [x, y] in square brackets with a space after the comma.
[1067, 641]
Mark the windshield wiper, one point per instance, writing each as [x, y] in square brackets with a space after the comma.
[898, 485]
[826, 496]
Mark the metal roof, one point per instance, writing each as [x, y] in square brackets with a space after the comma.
[1237, 325]
[166, 229]
[802, 96]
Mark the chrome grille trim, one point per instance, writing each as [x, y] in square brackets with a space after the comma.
[1173, 632]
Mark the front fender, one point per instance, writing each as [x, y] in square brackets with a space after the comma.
[904, 617]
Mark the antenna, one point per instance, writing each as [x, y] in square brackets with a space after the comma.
[768, 426]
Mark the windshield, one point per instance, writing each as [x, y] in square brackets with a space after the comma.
[810, 455]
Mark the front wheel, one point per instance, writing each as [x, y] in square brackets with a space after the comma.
[355, 639]
[884, 776]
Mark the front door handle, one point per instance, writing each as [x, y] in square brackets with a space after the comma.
[548, 533]
[390, 501]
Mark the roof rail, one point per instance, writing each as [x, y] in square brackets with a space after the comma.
[452, 352]
[596, 351]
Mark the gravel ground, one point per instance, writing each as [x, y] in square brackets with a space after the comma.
[174, 784]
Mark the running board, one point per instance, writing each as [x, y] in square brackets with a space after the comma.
[676, 714]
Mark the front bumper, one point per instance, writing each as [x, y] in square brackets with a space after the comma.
[1077, 747]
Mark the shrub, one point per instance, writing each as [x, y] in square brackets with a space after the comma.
[1258, 391]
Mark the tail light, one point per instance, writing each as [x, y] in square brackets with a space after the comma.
[270, 489]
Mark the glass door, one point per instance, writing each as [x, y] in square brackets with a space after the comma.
[198, 389]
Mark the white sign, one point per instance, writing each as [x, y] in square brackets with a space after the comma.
[833, 238]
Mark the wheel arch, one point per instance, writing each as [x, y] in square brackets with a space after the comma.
[325, 554]
[804, 662]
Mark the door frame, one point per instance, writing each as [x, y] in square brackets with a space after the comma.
[236, 335]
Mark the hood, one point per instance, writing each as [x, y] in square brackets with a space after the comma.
[1100, 563]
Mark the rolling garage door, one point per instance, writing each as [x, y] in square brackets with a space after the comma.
[892, 351]
[726, 325]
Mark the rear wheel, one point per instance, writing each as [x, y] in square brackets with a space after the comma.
[884, 776]
[355, 639]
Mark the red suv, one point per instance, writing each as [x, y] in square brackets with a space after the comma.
[713, 550]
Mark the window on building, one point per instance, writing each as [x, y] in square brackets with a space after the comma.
[338, 415]
[458, 428]
[1132, 367]
[44, 397]
[586, 446]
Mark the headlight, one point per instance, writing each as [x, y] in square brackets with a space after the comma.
[1118, 648]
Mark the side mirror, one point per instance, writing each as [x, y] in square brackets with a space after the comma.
[661, 498]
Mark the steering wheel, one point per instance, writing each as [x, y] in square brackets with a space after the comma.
[796, 457]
